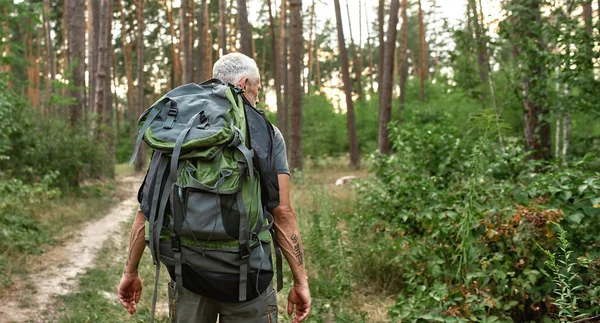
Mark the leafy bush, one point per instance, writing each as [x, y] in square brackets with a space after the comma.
[454, 224]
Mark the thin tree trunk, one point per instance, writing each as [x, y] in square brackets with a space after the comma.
[481, 49]
[51, 65]
[587, 15]
[318, 64]
[192, 21]
[203, 25]
[310, 46]
[128, 63]
[276, 53]
[76, 53]
[282, 114]
[385, 90]
[354, 81]
[93, 42]
[296, 65]
[370, 48]
[380, 22]
[208, 52]
[175, 61]
[185, 43]
[350, 122]
[566, 129]
[140, 162]
[232, 30]
[359, 55]
[101, 68]
[244, 29]
[222, 27]
[403, 57]
[422, 57]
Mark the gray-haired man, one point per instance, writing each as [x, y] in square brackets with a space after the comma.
[242, 71]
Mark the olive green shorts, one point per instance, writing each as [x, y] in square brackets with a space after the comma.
[190, 307]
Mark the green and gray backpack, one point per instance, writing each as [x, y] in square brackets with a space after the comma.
[210, 191]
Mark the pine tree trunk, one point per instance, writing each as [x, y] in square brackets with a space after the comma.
[350, 121]
[203, 26]
[101, 68]
[422, 57]
[385, 90]
[296, 66]
[481, 49]
[275, 50]
[93, 43]
[282, 114]
[185, 43]
[310, 46]
[175, 61]
[244, 29]
[403, 57]
[76, 55]
[128, 63]
[232, 29]
[51, 65]
[140, 162]
[381, 21]
[222, 27]
[359, 55]
[208, 52]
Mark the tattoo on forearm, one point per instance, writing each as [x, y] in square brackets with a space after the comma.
[297, 249]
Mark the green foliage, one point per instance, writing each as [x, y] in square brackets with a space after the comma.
[449, 201]
[323, 129]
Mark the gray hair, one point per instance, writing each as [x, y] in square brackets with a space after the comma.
[234, 66]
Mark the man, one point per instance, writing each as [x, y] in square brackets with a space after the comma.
[242, 71]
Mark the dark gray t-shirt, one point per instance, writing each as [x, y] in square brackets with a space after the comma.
[280, 154]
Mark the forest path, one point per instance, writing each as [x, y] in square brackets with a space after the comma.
[55, 271]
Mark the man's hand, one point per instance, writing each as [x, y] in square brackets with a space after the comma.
[300, 297]
[130, 290]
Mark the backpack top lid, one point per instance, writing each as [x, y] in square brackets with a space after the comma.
[206, 115]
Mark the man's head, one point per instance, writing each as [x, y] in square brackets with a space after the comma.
[240, 70]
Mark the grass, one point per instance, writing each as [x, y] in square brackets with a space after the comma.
[58, 219]
[322, 209]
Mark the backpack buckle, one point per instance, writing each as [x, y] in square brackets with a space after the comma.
[175, 243]
[245, 251]
[171, 114]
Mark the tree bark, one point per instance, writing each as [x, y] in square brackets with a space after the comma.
[381, 17]
[296, 54]
[276, 53]
[208, 50]
[203, 26]
[354, 81]
[282, 114]
[186, 47]
[310, 46]
[175, 61]
[359, 55]
[422, 55]
[481, 49]
[587, 15]
[385, 91]
[76, 55]
[244, 29]
[140, 162]
[403, 58]
[128, 63]
[350, 121]
[51, 65]
[222, 27]
[93, 43]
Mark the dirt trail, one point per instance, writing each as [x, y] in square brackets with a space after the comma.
[59, 266]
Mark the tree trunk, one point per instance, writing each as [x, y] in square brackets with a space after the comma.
[232, 30]
[76, 55]
[370, 49]
[481, 49]
[354, 81]
[385, 89]
[203, 26]
[244, 29]
[140, 162]
[51, 66]
[93, 43]
[175, 61]
[208, 50]
[296, 54]
[310, 46]
[359, 55]
[282, 114]
[185, 43]
[222, 27]
[128, 63]
[381, 21]
[276, 53]
[422, 57]
[587, 15]
[403, 57]
[533, 81]
[350, 122]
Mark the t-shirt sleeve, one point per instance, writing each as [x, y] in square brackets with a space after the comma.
[280, 153]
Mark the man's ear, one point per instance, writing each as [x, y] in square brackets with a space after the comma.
[244, 83]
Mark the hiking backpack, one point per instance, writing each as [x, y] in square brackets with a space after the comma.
[210, 190]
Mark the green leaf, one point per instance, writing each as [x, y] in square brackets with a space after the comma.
[575, 217]
[582, 188]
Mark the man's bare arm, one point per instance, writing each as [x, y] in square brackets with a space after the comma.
[288, 233]
[137, 244]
